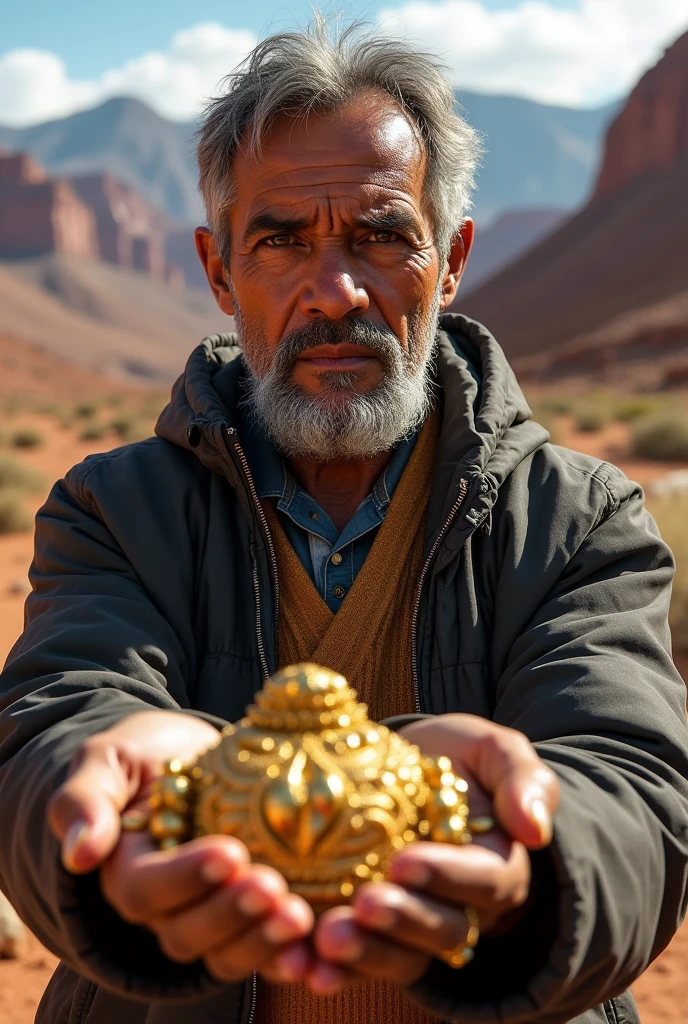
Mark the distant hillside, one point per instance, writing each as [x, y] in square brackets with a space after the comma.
[104, 317]
[618, 268]
[511, 234]
[126, 138]
[536, 155]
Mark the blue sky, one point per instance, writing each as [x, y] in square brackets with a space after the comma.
[59, 56]
[90, 37]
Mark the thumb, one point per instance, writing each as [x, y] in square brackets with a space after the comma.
[84, 813]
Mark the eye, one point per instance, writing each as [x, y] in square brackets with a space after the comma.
[279, 241]
[384, 236]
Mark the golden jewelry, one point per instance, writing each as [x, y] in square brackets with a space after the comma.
[313, 788]
[134, 821]
[463, 953]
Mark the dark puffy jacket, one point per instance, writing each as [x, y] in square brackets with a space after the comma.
[543, 607]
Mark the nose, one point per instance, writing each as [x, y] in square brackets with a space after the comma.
[329, 290]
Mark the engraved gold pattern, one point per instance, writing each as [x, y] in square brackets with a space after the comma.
[312, 787]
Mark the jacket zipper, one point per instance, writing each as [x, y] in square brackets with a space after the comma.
[463, 490]
[231, 432]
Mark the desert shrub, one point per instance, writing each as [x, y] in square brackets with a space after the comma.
[13, 516]
[84, 410]
[114, 401]
[48, 409]
[128, 428]
[671, 514]
[14, 475]
[26, 437]
[152, 405]
[634, 407]
[555, 405]
[92, 432]
[661, 436]
[549, 422]
[588, 419]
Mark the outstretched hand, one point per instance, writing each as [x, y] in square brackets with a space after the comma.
[393, 929]
[203, 900]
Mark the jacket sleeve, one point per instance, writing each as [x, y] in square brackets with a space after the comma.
[590, 681]
[96, 648]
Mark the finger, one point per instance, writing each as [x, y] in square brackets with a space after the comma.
[84, 813]
[258, 899]
[418, 922]
[492, 882]
[524, 790]
[339, 940]
[254, 947]
[292, 963]
[325, 979]
[143, 883]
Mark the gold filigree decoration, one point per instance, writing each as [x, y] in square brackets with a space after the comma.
[314, 788]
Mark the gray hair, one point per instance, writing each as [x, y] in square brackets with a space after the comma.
[320, 70]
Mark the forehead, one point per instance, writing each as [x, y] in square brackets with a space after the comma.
[367, 152]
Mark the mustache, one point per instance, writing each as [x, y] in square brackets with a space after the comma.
[354, 331]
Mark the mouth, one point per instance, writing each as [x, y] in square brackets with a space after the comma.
[344, 357]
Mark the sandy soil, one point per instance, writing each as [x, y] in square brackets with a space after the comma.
[662, 992]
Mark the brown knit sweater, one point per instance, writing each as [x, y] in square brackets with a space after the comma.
[369, 642]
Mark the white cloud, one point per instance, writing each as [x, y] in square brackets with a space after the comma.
[35, 85]
[578, 56]
[581, 56]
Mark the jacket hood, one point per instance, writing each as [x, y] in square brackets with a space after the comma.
[486, 426]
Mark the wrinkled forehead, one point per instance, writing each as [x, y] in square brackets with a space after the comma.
[366, 152]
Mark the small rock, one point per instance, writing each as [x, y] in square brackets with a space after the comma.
[675, 482]
[12, 931]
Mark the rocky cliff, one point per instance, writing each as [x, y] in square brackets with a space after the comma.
[651, 132]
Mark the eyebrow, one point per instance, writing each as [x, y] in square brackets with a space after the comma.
[390, 220]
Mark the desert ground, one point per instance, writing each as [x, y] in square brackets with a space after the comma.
[87, 407]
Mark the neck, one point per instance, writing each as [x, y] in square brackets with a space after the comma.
[339, 486]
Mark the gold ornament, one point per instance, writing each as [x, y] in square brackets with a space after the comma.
[313, 788]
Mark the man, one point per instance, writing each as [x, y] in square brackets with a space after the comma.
[360, 484]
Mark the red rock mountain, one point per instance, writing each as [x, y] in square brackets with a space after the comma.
[651, 131]
[626, 252]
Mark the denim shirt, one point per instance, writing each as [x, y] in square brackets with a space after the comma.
[332, 559]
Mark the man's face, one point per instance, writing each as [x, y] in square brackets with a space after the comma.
[333, 274]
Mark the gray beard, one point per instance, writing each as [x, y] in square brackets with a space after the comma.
[339, 422]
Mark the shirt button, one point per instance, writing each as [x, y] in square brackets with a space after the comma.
[338, 592]
[336, 558]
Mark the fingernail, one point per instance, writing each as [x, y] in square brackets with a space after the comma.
[215, 871]
[253, 903]
[74, 837]
[412, 873]
[542, 818]
[277, 930]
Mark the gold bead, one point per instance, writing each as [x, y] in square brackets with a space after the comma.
[479, 826]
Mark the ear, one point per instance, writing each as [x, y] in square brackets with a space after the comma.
[456, 263]
[214, 270]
